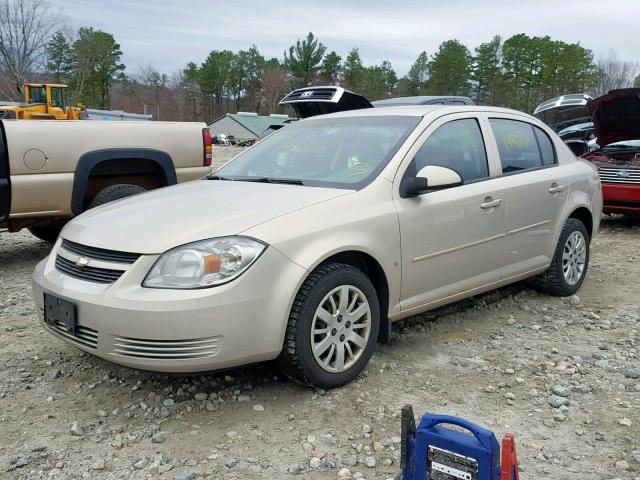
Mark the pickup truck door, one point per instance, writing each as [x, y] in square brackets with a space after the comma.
[5, 187]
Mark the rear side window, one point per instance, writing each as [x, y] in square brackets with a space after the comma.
[458, 145]
[546, 147]
[521, 145]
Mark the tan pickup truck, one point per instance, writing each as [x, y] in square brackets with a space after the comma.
[52, 171]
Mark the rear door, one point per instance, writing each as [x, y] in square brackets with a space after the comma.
[536, 189]
[5, 187]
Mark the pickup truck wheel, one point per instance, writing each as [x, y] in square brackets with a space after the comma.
[570, 261]
[115, 192]
[333, 327]
[48, 234]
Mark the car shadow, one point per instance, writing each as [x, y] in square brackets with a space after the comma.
[20, 250]
[620, 222]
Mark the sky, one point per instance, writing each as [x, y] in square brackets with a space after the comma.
[169, 33]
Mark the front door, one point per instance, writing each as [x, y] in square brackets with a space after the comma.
[453, 239]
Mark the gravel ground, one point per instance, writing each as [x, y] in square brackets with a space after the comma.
[561, 373]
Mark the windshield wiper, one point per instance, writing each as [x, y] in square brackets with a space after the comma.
[287, 181]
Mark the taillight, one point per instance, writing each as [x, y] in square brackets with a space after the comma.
[207, 147]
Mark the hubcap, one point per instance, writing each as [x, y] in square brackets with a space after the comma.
[574, 257]
[340, 329]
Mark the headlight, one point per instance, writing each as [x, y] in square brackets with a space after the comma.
[204, 264]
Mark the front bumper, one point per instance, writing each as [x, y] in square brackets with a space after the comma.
[234, 324]
[621, 198]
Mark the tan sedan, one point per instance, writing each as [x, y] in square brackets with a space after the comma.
[308, 245]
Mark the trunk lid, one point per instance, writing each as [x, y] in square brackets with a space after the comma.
[566, 111]
[311, 101]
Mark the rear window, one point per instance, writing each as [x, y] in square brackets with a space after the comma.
[521, 145]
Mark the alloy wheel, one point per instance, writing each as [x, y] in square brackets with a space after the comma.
[574, 256]
[341, 328]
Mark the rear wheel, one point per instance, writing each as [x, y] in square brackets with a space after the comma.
[48, 234]
[570, 261]
[115, 192]
[333, 327]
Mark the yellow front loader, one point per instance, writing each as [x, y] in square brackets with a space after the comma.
[42, 101]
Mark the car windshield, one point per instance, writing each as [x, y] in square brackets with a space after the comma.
[342, 152]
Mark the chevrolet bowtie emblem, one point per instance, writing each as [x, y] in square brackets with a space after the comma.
[82, 262]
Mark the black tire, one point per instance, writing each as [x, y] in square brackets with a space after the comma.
[297, 360]
[115, 192]
[553, 281]
[48, 234]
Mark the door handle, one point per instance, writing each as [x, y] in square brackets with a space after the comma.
[555, 188]
[490, 203]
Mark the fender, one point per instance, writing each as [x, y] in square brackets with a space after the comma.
[89, 160]
[575, 200]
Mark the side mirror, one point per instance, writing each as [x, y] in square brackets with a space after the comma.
[431, 177]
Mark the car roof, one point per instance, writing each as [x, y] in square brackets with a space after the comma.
[420, 100]
[421, 111]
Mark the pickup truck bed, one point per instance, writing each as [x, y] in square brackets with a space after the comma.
[52, 171]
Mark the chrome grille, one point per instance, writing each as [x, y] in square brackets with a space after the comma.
[167, 349]
[614, 175]
[91, 274]
[99, 253]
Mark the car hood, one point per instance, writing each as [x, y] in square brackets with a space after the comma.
[157, 221]
[616, 116]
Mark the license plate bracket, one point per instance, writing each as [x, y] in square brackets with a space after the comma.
[59, 310]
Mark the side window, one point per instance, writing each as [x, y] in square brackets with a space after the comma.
[517, 145]
[457, 145]
[57, 97]
[546, 147]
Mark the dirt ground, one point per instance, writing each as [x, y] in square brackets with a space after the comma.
[561, 373]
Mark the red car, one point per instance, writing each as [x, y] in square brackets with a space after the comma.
[608, 130]
[616, 120]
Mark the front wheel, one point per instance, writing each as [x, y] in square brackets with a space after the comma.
[570, 261]
[333, 327]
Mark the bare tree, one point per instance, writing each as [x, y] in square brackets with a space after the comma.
[155, 83]
[25, 29]
[274, 87]
[614, 73]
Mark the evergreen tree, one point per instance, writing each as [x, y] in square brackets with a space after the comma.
[303, 59]
[331, 68]
[487, 72]
[450, 70]
[418, 75]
